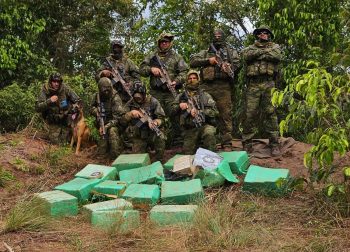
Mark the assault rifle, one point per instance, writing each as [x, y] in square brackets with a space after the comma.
[199, 118]
[147, 119]
[164, 75]
[101, 114]
[118, 78]
[223, 64]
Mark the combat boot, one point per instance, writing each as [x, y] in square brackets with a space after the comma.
[275, 151]
[248, 146]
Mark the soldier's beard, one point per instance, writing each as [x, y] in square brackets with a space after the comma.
[218, 44]
[263, 40]
[117, 55]
[193, 85]
[105, 95]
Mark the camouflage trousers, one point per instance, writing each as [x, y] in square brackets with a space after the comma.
[58, 133]
[221, 92]
[112, 144]
[172, 127]
[203, 136]
[260, 116]
[139, 145]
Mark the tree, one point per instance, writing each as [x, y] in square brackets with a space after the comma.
[19, 32]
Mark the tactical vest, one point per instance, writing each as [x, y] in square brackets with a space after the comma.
[210, 73]
[261, 67]
[57, 112]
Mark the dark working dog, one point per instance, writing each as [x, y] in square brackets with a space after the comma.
[81, 132]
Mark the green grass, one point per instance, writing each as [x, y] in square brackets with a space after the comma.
[5, 177]
[26, 215]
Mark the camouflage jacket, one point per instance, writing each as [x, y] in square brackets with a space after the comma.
[204, 102]
[151, 106]
[175, 65]
[210, 72]
[57, 112]
[127, 69]
[113, 108]
[262, 59]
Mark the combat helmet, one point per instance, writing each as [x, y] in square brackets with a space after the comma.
[104, 82]
[116, 42]
[194, 72]
[165, 36]
[139, 88]
[56, 77]
[193, 85]
[261, 29]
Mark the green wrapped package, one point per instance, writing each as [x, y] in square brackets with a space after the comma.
[150, 174]
[93, 171]
[110, 187]
[79, 187]
[181, 192]
[120, 220]
[172, 214]
[218, 176]
[264, 180]
[131, 161]
[142, 196]
[238, 161]
[58, 203]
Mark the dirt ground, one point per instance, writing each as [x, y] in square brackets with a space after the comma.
[299, 222]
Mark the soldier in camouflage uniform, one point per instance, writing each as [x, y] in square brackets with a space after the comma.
[261, 59]
[177, 69]
[205, 111]
[216, 80]
[141, 131]
[121, 63]
[54, 103]
[111, 105]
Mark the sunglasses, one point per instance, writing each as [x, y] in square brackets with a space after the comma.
[264, 33]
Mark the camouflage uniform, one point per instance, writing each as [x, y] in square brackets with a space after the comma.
[143, 136]
[127, 69]
[56, 114]
[114, 110]
[261, 59]
[177, 69]
[218, 84]
[193, 136]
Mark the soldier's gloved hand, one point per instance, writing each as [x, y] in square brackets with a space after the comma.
[153, 124]
[94, 111]
[155, 71]
[213, 61]
[106, 73]
[54, 98]
[183, 106]
[135, 113]
[107, 126]
[226, 67]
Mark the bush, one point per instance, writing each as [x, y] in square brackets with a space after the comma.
[17, 106]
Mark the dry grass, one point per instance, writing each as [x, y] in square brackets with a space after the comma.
[27, 215]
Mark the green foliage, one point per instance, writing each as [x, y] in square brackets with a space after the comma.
[19, 31]
[84, 86]
[16, 106]
[94, 132]
[307, 30]
[192, 23]
[5, 176]
[339, 193]
[317, 102]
